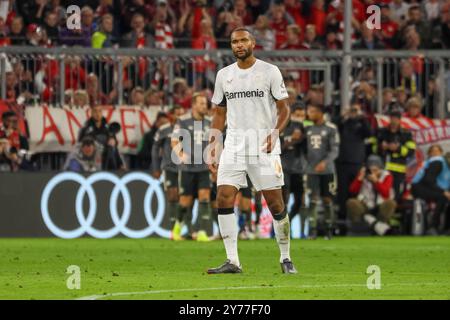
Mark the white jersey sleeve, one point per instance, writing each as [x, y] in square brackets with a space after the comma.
[277, 87]
[219, 95]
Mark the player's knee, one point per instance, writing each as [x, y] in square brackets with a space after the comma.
[204, 196]
[185, 201]
[225, 200]
[276, 207]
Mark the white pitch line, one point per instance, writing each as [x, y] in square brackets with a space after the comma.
[115, 294]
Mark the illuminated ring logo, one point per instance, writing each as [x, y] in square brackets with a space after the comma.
[120, 222]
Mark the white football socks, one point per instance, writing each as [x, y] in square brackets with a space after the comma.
[229, 232]
[282, 230]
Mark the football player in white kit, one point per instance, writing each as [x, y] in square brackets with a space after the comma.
[251, 97]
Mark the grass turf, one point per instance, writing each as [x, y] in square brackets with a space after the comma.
[411, 268]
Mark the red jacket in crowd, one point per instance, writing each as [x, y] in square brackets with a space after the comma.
[383, 187]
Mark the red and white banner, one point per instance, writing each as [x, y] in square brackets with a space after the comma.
[426, 132]
[56, 129]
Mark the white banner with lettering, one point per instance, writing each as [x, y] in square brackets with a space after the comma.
[56, 129]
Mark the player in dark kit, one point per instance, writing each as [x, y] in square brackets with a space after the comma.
[251, 97]
[322, 149]
[162, 163]
[189, 140]
[293, 160]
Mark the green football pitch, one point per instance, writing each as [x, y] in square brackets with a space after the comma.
[410, 268]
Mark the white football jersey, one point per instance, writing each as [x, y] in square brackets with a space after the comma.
[250, 98]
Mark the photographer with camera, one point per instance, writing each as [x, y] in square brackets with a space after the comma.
[10, 130]
[354, 129]
[374, 201]
[104, 135]
[9, 161]
[17, 143]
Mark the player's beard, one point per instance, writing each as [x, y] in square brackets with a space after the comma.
[248, 53]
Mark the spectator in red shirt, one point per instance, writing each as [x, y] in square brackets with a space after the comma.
[318, 16]
[279, 22]
[335, 17]
[205, 68]
[240, 9]
[374, 195]
[74, 73]
[389, 27]
[4, 39]
[294, 8]
[182, 94]
[204, 38]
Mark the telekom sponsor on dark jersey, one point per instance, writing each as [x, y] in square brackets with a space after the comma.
[244, 94]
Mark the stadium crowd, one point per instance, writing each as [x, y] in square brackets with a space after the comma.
[372, 162]
[165, 24]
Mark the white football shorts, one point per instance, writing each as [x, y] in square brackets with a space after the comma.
[264, 171]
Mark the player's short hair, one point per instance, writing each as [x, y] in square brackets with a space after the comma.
[196, 95]
[242, 29]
